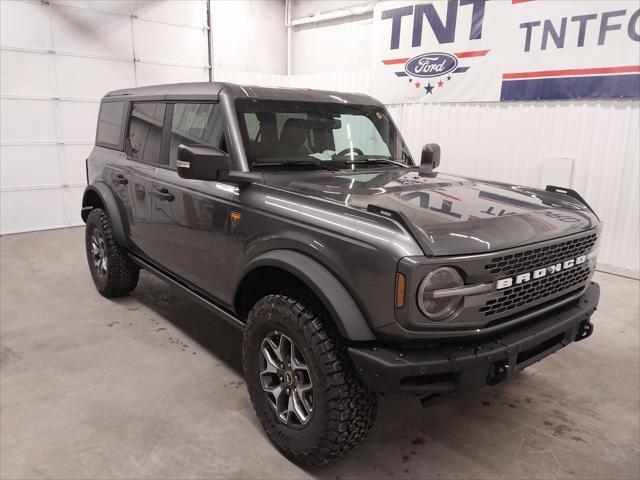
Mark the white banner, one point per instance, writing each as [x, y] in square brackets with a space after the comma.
[477, 50]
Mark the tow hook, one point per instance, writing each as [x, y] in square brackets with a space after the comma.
[584, 330]
[500, 372]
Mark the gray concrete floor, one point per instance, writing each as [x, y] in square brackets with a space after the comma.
[150, 386]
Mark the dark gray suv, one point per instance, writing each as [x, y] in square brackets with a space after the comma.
[300, 217]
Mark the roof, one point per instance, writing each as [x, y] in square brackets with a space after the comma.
[212, 90]
[202, 88]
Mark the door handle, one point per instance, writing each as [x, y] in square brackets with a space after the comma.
[164, 194]
[121, 179]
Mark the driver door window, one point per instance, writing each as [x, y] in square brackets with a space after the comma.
[196, 124]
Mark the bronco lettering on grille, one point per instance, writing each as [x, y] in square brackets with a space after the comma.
[539, 273]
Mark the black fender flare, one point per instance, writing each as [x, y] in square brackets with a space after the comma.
[112, 206]
[337, 300]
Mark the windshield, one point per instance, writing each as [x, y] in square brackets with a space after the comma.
[287, 133]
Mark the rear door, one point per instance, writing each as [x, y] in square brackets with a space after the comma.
[144, 152]
[191, 218]
[107, 158]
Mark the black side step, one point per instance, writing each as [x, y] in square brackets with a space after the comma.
[226, 316]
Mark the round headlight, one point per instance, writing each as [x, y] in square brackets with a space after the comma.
[436, 307]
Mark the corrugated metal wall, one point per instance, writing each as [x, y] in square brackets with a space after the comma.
[521, 143]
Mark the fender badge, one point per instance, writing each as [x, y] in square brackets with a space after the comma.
[235, 218]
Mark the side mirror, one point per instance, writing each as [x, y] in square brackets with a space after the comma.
[430, 156]
[200, 162]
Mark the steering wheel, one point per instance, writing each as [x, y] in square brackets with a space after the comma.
[349, 150]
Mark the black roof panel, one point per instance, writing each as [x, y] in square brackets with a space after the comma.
[211, 91]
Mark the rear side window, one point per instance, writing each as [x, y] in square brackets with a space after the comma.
[196, 124]
[145, 131]
[110, 121]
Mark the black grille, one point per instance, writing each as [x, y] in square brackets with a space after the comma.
[541, 257]
[525, 293]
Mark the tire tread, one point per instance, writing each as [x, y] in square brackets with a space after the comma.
[352, 408]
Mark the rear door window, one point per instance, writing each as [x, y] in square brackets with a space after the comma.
[145, 132]
[110, 121]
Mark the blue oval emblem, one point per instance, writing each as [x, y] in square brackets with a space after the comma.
[431, 65]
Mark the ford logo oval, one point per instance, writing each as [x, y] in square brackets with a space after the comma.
[431, 65]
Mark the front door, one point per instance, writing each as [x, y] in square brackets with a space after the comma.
[191, 218]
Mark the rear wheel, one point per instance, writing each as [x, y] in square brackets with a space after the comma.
[303, 387]
[113, 273]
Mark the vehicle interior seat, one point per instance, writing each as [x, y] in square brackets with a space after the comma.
[293, 137]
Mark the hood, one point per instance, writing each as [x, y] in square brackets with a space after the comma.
[449, 215]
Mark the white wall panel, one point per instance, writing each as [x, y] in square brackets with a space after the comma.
[169, 43]
[350, 81]
[58, 59]
[309, 8]
[29, 165]
[332, 46]
[83, 77]
[73, 125]
[91, 33]
[73, 165]
[249, 36]
[250, 78]
[25, 73]
[346, 81]
[184, 12]
[152, 74]
[35, 34]
[121, 7]
[35, 209]
[26, 120]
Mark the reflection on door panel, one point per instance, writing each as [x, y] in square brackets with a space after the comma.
[145, 140]
[191, 230]
[191, 226]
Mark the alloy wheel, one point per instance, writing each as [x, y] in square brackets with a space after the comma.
[286, 379]
[99, 252]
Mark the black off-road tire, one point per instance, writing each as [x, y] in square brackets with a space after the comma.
[121, 275]
[344, 410]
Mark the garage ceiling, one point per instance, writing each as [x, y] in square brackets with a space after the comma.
[58, 59]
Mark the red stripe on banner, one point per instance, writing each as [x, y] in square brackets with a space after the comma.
[447, 195]
[475, 53]
[520, 1]
[573, 71]
[394, 61]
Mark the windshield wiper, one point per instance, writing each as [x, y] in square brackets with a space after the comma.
[377, 160]
[296, 163]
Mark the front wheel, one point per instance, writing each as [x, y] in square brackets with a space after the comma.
[310, 401]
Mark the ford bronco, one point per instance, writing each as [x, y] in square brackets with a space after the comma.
[301, 218]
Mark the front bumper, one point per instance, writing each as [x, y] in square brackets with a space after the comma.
[451, 367]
